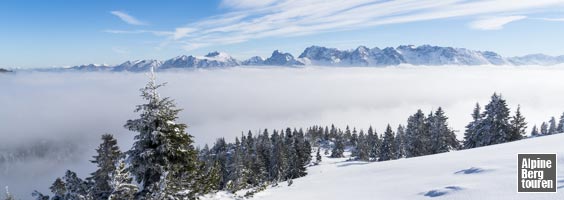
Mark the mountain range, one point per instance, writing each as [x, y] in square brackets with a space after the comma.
[324, 56]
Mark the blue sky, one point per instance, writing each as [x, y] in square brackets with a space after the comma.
[72, 32]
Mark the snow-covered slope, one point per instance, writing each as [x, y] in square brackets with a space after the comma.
[482, 173]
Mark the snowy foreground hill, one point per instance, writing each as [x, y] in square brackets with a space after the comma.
[481, 173]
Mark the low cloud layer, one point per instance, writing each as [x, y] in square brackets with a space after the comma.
[76, 108]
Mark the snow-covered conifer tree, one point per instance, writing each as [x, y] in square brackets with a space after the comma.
[387, 151]
[400, 142]
[552, 126]
[58, 189]
[417, 135]
[108, 154]
[162, 158]
[494, 126]
[442, 137]
[338, 147]
[75, 187]
[544, 129]
[318, 156]
[121, 186]
[518, 126]
[560, 127]
[535, 131]
[471, 135]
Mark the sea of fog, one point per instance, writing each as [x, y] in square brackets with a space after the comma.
[55, 119]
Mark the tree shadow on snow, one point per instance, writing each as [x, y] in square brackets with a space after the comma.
[442, 191]
[351, 163]
[472, 170]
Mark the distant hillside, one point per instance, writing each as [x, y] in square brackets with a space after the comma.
[2, 70]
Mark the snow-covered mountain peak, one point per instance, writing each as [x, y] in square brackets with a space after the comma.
[282, 59]
[325, 56]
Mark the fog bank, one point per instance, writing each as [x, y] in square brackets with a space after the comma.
[76, 108]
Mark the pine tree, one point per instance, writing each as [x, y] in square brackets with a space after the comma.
[544, 129]
[162, 158]
[417, 135]
[373, 144]
[560, 127]
[535, 131]
[278, 158]
[75, 187]
[387, 151]
[121, 184]
[400, 142]
[495, 127]
[518, 126]
[318, 156]
[552, 126]
[108, 155]
[443, 137]
[58, 189]
[362, 148]
[471, 135]
[338, 147]
[238, 173]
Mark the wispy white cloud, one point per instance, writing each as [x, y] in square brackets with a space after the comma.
[494, 23]
[552, 19]
[245, 4]
[127, 18]
[156, 33]
[253, 19]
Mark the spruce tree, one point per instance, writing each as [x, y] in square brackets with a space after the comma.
[417, 135]
[278, 160]
[75, 187]
[338, 147]
[387, 151]
[443, 137]
[400, 142]
[162, 158]
[535, 131]
[495, 127]
[518, 126]
[58, 189]
[238, 173]
[106, 159]
[121, 184]
[318, 156]
[560, 127]
[552, 126]
[471, 135]
[362, 148]
[373, 144]
[544, 129]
